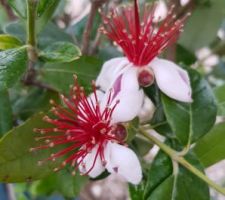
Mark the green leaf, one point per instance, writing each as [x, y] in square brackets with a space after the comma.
[13, 64]
[60, 76]
[63, 182]
[184, 56]
[210, 149]
[136, 191]
[141, 145]
[17, 163]
[33, 101]
[4, 18]
[50, 34]
[19, 6]
[189, 122]
[9, 42]
[220, 97]
[6, 116]
[60, 52]
[45, 10]
[171, 181]
[198, 31]
[16, 29]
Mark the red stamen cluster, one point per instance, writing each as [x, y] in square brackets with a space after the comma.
[140, 38]
[80, 126]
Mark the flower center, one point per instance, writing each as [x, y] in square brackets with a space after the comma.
[119, 132]
[79, 128]
[145, 77]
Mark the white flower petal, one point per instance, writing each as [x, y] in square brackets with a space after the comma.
[172, 80]
[88, 163]
[129, 105]
[147, 110]
[128, 94]
[123, 161]
[92, 98]
[110, 71]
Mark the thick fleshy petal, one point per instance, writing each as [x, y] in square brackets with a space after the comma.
[88, 163]
[147, 110]
[129, 95]
[110, 71]
[124, 162]
[172, 80]
[92, 98]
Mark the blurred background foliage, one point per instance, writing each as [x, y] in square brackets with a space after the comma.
[62, 23]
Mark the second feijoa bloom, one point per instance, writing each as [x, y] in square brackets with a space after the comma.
[142, 40]
[91, 130]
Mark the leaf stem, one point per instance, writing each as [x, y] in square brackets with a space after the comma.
[181, 160]
[31, 25]
[30, 76]
[31, 29]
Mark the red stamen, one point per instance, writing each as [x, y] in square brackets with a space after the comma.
[80, 126]
[140, 38]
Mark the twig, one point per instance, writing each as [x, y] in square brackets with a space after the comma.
[95, 4]
[96, 43]
[182, 161]
[40, 85]
[8, 10]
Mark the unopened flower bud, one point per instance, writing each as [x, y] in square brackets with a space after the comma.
[145, 77]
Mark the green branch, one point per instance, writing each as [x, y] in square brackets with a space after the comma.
[181, 160]
[31, 29]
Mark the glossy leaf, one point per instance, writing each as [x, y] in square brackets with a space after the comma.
[4, 18]
[184, 56]
[13, 64]
[136, 191]
[45, 10]
[171, 181]
[19, 6]
[69, 186]
[50, 34]
[141, 146]
[210, 149]
[17, 163]
[60, 76]
[9, 42]
[199, 32]
[6, 116]
[60, 52]
[16, 29]
[189, 122]
[33, 101]
[220, 97]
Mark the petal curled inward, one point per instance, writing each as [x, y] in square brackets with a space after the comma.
[124, 162]
[110, 70]
[147, 110]
[129, 95]
[88, 162]
[172, 80]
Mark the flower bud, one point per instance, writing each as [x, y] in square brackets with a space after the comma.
[145, 77]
